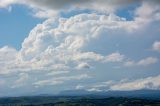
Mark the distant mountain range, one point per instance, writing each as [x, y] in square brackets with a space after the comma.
[150, 94]
[87, 98]
[144, 93]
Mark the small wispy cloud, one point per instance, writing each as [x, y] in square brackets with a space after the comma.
[156, 46]
[144, 62]
[60, 80]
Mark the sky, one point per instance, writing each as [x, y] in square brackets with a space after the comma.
[95, 45]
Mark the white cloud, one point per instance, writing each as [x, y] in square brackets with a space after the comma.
[54, 73]
[57, 42]
[47, 82]
[60, 41]
[145, 83]
[60, 80]
[51, 8]
[79, 87]
[124, 85]
[63, 4]
[152, 13]
[44, 13]
[96, 86]
[144, 62]
[7, 59]
[88, 56]
[129, 63]
[156, 46]
[148, 61]
[114, 57]
[100, 86]
[23, 77]
[83, 66]
[7, 54]
[94, 90]
[142, 18]
[57, 45]
[5, 3]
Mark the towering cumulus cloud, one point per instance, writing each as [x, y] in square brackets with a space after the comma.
[83, 41]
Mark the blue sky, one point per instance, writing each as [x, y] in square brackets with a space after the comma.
[48, 46]
[16, 25]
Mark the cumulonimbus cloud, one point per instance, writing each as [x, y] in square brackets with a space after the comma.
[59, 44]
[61, 41]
